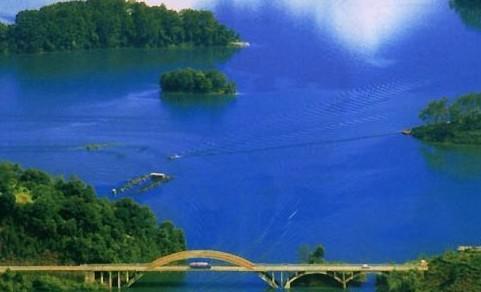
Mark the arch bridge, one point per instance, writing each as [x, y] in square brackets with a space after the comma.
[275, 275]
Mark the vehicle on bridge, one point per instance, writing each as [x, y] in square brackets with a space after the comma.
[199, 265]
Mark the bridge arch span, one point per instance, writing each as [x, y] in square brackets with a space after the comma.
[203, 254]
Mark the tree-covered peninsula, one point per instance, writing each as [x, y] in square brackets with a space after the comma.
[95, 24]
[458, 122]
[196, 82]
[48, 220]
[452, 271]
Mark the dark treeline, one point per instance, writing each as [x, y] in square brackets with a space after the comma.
[458, 122]
[111, 24]
[51, 220]
[196, 81]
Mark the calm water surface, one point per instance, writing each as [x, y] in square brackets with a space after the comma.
[307, 153]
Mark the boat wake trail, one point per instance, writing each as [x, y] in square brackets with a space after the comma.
[287, 146]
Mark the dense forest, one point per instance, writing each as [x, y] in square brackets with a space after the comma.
[51, 220]
[452, 271]
[196, 81]
[111, 24]
[458, 122]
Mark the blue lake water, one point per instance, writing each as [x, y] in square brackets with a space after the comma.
[307, 153]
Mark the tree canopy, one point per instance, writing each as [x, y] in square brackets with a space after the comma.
[51, 220]
[111, 24]
[196, 81]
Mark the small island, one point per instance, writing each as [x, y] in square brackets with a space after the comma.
[458, 122]
[192, 81]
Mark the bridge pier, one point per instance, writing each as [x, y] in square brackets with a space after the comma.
[270, 280]
[89, 277]
[345, 278]
[135, 277]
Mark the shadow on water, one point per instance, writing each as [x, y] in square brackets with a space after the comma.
[316, 283]
[469, 11]
[195, 100]
[461, 161]
[156, 281]
[181, 282]
[70, 64]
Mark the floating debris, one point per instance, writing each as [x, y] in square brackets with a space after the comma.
[144, 183]
[96, 147]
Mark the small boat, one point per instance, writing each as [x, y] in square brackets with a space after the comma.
[174, 157]
[158, 176]
[407, 132]
[199, 265]
[240, 44]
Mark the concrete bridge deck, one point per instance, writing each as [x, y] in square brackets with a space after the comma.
[275, 275]
[373, 268]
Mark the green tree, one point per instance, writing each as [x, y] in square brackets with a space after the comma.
[311, 256]
[435, 112]
[13, 282]
[317, 255]
[7, 204]
[4, 34]
[303, 253]
[196, 81]
[466, 110]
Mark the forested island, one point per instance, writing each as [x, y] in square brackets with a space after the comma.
[452, 271]
[197, 82]
[49, 220]
[458, 122]
[95, 24]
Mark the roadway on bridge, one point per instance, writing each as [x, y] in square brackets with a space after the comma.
[370, 268]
